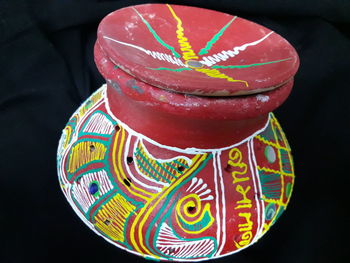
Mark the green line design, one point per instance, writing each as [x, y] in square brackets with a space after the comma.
[150, 165]
[146, 170]
[182, 164]
[171, 69]
[250, 65]
[166, 170]
[155, 35]
[175, 168]
[167, 215]
[271, 184]
[215, 38]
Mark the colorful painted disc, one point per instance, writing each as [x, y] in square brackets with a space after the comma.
[179, 48]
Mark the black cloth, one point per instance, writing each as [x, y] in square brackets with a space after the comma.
[47, 70]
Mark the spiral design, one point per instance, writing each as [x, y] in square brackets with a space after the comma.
[192, 216]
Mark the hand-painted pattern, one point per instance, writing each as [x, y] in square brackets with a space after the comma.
[188, 59]
[177, 207]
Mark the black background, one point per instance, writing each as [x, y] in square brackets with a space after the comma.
[47, 70]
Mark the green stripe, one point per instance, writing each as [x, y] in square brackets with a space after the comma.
[155, 35]
[215, 38]
[150, 165]
[171, 69]
[173, 167]
[250, 65]
[165, 169]
[182, 164]
[146, 170]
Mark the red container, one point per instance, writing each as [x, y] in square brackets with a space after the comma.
[179, 157]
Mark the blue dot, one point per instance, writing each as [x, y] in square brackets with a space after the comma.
[93, 188]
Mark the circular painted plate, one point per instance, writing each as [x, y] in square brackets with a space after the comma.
[196, 51]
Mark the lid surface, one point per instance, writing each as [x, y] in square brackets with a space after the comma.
[196, 51]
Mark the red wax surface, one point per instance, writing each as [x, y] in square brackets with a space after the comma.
[183, 120]
[180, 48]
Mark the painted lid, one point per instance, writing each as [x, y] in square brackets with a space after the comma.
[196, 51]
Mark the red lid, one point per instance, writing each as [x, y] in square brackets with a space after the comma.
[196, 51]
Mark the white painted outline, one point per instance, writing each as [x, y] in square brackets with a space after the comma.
[177, 149]
[188, 160]
[155, 54]
[187, 150]
[226, 54]
[223, 200]
[255, 193]
[218, 219]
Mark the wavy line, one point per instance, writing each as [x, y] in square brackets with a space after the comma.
[171, 69]
[226, 54]
[215, 38]
[149, 206]
[154, 54]
[250, 65]
[155, 35]
[214, 73]
[187, 51]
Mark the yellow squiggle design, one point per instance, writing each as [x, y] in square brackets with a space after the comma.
[188, 53]
[235, 160]
[186, 48]
[214, 73]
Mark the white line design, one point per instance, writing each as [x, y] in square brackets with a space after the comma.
[199, 182]
[66, 189]
[226, 54]
[75, 134]
[188, 160]
[193, 181]
[169, 244]
[86, 115]
[154, 54]
[99, 123]
[257, 201]
[223, 200]
[81, 192]
[201, 191]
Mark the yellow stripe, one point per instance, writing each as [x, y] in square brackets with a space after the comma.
[258, 137]
[214, 73]
[68, 136]
[81, 154]
[117, 210]
[119, 163]
[187, 51]
[149, 210]
[277, 202]
[202, 213]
